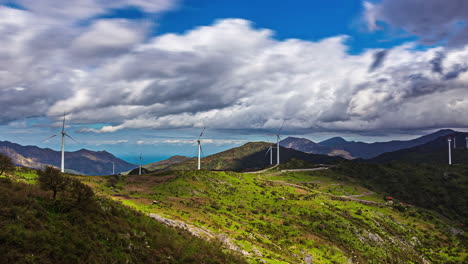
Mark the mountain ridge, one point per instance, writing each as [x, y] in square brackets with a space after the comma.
[357, 149]
[82, 161]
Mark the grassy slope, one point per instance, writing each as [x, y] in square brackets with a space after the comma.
[438, 187]
[35, 229]
[286, 217]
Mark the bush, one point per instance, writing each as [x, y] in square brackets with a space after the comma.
[5, 163]
[80, 191]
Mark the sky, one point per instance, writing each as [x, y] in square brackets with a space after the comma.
[146, 76]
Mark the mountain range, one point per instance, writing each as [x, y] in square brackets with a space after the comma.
[83, 161]
[251, 156]
[338, 146]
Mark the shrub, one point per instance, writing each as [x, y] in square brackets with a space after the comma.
[5, 163]
[51, 179]
[80, 191]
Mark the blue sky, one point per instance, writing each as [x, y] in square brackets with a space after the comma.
[147, 76]
[301, 19]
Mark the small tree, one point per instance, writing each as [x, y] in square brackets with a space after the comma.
[5, 163]
[52, 179]
[80, 191]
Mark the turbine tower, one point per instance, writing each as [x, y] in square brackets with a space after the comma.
[270, 149]
[449, 150]
[466, 141]
[200, 148]
[278, 139]
[64, 134]
[113, 168]
[139, 171]
[454, 141]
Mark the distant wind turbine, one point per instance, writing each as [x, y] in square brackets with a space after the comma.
[270, 149]
[200, 148]
[449, 150]
[113, 168]
[466, 141]
[63, 133]
[278, 139]
[139, 171]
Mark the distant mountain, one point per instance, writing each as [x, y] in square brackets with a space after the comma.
[334, 142]
[250, 156]
[435, 151]
[351, 149]
[160, 165]
[83, 161]
[308, 146]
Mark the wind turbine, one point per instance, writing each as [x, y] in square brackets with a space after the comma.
[270, 149]
[466, 140]
[449, 150]
[199, 147]
[113, 168]
[278, 139]
[63, 133]
[139, 171]
[454, 141]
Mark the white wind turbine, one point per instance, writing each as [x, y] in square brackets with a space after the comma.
[449, 139]
[278, 139]
[466, 141]
[200, 147]
[270, 149]
[63, 133]
[139, 169]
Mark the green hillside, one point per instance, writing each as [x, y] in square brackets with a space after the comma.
[36, 229]
[250, 157]
[295, 217]
[435, 151]
[438, 187]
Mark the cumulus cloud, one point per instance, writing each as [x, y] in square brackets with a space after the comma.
[82, 9]
[228, 75]
[434, 21]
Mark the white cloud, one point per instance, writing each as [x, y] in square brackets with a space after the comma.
[229, 75]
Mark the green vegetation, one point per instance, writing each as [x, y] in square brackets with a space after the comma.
[78, 227]
[292, 217]
[438, 187]
[250, 157]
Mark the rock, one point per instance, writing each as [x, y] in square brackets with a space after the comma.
[308, 259]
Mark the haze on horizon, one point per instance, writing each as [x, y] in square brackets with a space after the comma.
[148, 75]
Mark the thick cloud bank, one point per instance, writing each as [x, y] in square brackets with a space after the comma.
[228, 75]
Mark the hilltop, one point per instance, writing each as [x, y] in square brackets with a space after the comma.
[82, 161]
[249, 157]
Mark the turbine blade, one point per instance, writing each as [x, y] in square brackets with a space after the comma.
[63, 124]
[201, 134]
[72, 138]
[49, 138]
[281, 128]
[268, 150]
[202, 152]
